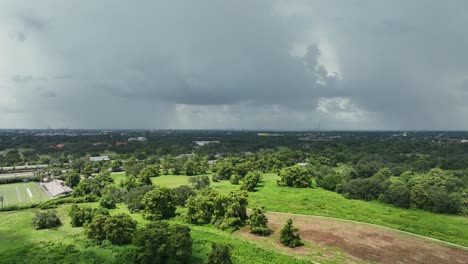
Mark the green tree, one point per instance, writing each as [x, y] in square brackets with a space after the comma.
[159, 204]
[147, 173]
[159, 242]
[182, 193]
[96, 228]
[235, 178]
[220, 254]
[199, 182]
[258, 222]
[251, 180]
[295, 176]
[72, 179]
[289, 235]
[119, 229]
[134, 197]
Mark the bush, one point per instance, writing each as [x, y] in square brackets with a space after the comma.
[216, 178]
[118, 229]
[258, 222]
[43, 220]
[235, 178]
[289, 236]
[220, 254]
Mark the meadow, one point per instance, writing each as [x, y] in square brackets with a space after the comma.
[22, 194]
[317, 201]
[17, 235]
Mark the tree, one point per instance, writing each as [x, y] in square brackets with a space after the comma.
[119, 229]
[258, 222]
[295, 176]
[147, 173]
[159, 242]
[220, 254]
[199, 182]
[43, 220]
[369, 165]
[72, 179]
[83, 215]
[251, 180]
[398, 194]
[96, 228]
[289, 235]
[134, 197]
[159, 204]
[182, 193]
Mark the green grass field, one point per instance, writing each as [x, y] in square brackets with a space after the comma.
[326, 203]
[17, 235]
[22, 193]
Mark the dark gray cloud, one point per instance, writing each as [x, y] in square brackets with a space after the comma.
[225, 64]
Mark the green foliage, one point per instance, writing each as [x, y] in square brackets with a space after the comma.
[258, 222]
[199, 182]
[48, 219]
[182, 193]
[93, 186]
[119, 229]
[111, 196]
[397, 194]
[289, 235]
[72, 179]
[251, 180]
[81, 216]
[220, 254]
[159, 242]
[224, 211]
[235, 178]
[159, 204]
[369, 165]
[295, 176]
[145, 175]
[134, 197]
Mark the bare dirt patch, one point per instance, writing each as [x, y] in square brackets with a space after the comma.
[361, 242]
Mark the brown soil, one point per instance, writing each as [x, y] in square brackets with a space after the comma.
[362, 242]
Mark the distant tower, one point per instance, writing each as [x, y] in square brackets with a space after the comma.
[405, 134]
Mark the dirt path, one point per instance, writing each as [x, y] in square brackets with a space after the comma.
[362, 242]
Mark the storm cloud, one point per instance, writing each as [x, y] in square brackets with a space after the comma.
[234, 64]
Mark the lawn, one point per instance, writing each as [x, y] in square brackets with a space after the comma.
[22, 193]
[17, 234]
[326, 203]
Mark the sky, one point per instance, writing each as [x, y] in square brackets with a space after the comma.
[214, 64]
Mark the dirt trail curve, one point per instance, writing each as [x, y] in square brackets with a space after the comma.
[369, 242]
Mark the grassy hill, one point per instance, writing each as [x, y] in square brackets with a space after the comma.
[317, 201]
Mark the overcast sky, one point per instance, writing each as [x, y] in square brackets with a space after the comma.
[346, 64]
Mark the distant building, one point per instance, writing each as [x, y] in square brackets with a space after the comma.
[302, 164]
[464, 141]
[211, 162]
[120, 143]
[140, 139]
[205, 142]
[60, 146]
[55, 188]
[185, 156]
[101, 158]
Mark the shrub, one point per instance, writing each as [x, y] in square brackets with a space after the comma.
[258, 222]
[235, 178]
[83, 215]
[48, 219]
[220, 254]
[134, 196]
[119, 229]
[289, 236]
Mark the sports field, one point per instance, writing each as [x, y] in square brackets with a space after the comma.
[22, 193]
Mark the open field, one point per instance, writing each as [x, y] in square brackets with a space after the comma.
[320, 202]
[359, 242]
[17, 235]
[22, 193]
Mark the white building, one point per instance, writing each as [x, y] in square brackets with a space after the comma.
[101, 158]
[205, 142]
[140, 139]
